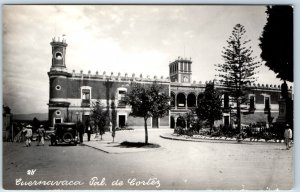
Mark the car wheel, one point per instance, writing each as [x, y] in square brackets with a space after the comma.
[67, 137]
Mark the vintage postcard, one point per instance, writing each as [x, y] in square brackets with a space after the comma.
[156, 97]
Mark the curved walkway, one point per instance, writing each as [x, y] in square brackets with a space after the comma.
[200, 138]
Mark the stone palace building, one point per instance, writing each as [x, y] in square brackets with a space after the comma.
[72, 94]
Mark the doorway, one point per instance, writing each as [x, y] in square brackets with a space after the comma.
[172, 122]
[226, 121]
[122, 121]
[154, 122]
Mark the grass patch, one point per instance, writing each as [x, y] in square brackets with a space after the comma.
[127, 144]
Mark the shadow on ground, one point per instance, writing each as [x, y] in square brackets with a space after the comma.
[127, 144]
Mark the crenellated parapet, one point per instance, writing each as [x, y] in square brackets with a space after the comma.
[253, 85]
[59, 40]
[118, 77]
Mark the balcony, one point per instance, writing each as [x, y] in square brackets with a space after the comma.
[85, 103]
[121, 104]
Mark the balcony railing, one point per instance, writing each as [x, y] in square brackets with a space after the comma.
[85, 103]
[121, 104]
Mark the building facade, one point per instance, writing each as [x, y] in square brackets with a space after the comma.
[71, 94]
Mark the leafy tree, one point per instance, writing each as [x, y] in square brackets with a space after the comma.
[147, 101]
[209, 108]
[238, 69]
[276, 41]
[99, 117]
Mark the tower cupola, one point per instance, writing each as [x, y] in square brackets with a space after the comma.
[181, 70]
[59, 46]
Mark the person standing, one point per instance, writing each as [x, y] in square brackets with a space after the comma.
[288, 136]
[88, 129]
[28, 135]
[80, 131]
[41, 135]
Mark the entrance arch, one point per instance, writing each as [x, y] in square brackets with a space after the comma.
[180, 122]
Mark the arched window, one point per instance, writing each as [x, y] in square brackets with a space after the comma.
[191, 100]
[180, 100]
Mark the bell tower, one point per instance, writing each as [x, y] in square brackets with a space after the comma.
[181, 70]
[59, 46]
[58, 82]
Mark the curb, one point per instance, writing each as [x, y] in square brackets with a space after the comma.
[217, 141]
[96, 148]
[200, 140]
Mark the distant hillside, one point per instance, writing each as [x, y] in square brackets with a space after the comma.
[39, 116]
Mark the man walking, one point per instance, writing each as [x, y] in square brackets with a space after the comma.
[28, 134]
[41, 135]
[288, 136]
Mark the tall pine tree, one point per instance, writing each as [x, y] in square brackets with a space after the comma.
[238, 70]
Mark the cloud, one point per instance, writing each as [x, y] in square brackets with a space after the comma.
[118, 38]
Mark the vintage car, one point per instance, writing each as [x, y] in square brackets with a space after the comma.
[65, 133]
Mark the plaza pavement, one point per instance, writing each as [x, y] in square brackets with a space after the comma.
[178, 165]
[108, 146]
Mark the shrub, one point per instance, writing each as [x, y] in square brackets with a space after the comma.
[268, 135]
[216, 134]
[179, 130]
[197, 125]
[190, 132]
[204, 132]
[228, 131]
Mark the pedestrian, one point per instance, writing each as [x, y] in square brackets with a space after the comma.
[41, 135]
[288, 136]
[88, 129]
[28, 134]
[80, 129]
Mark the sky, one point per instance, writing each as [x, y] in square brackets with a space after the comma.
[117, 38]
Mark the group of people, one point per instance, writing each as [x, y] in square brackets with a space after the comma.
[27, 131]
[82, 129]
